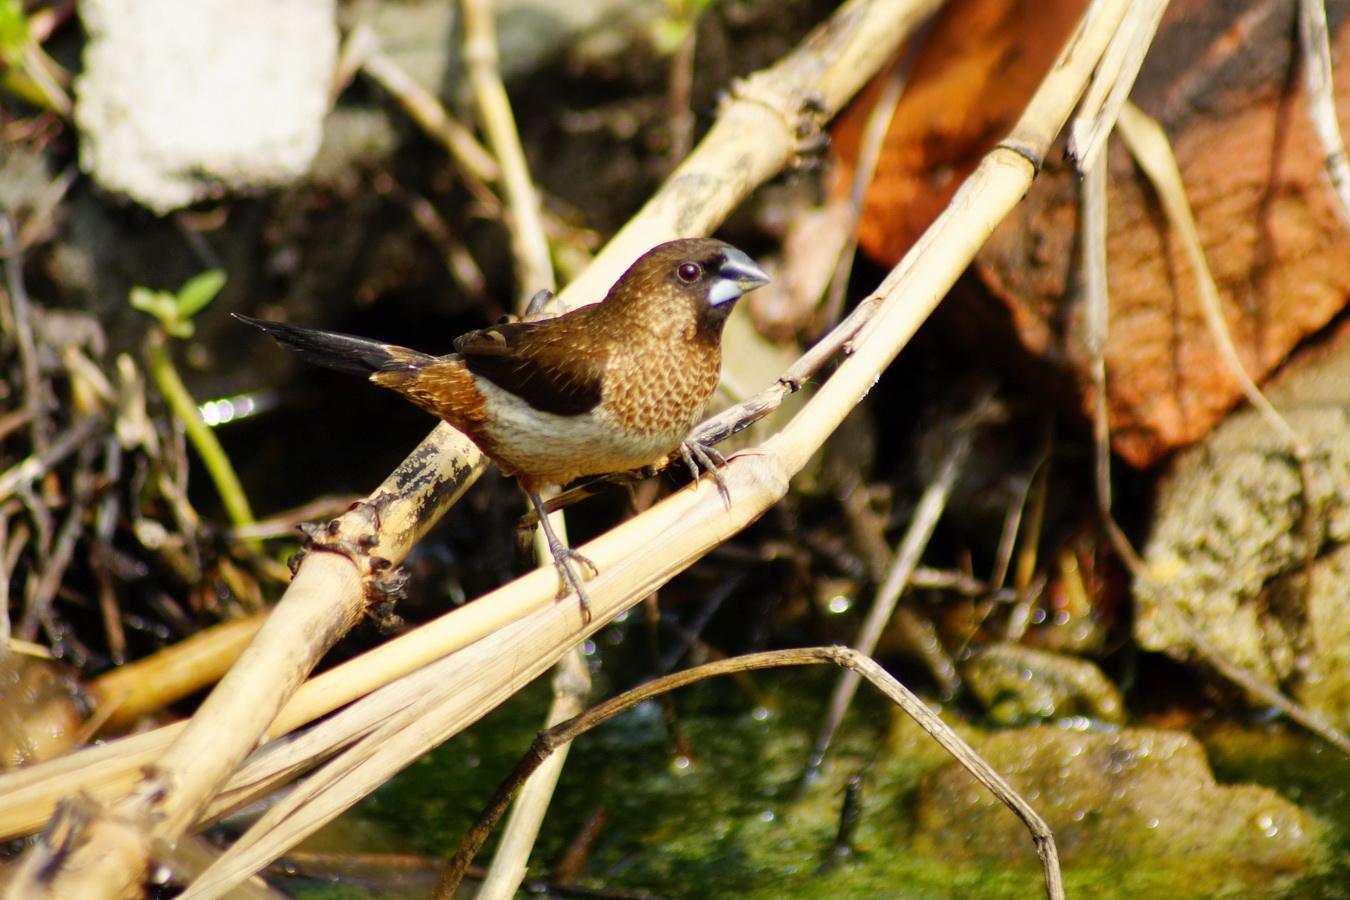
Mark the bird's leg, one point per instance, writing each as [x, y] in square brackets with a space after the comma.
[695, 455]
[562, 554]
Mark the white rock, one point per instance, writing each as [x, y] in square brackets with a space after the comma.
[180, 101]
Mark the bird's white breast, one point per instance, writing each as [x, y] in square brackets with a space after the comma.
[557, 449]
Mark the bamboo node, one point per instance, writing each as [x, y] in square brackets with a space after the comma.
[803, 114]
[383, 582]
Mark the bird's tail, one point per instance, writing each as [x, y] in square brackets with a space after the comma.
[344, 352]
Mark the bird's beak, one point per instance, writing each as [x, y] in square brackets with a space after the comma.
[736, 276]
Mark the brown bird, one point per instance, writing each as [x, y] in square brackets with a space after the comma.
[613, 386]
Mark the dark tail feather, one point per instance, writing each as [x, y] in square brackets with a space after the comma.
[344, 352]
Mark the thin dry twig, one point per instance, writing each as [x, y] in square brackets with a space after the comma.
[42, 589]
[1097, 301]
[1012, 525]
[921, 526]
[1316, 48]
[949, 580]
[1112, 82]
[283, 524]
[21, 475]
[529, 246]
[1151, 149]
[1097, 115]
[869, 152]
[34, 391]
[921, 635]
[40, 223]
[1258, 688]
[853, 662]
[13, 420]
[473, 160]
[1025, 550]
[8, 556]
[459, 263]
[101, 553]
[476, 165]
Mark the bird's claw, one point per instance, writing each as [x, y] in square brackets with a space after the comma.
[696, 455]
[562, 555]
[569, 581]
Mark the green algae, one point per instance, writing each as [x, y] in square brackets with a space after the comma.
[731, 822]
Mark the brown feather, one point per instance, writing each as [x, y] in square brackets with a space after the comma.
[540, 362]
[603, 388]
[615, 385]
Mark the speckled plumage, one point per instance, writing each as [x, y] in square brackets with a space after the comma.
[649, 354]
[608, 387]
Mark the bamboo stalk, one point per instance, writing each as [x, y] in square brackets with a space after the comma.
[131, 691]
[28, 796]
[322, 603]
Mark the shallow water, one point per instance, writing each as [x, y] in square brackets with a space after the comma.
[727, 822]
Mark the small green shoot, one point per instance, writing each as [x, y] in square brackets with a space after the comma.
[669, 30]
[26, 71]
[174, 312]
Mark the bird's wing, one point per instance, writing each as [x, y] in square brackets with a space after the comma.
[550, 365]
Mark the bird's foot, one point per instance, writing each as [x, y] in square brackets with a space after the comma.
[696, 455]
[569, 581]
[562, 555]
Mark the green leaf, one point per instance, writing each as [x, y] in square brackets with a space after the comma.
[198, 291]
[175, 311]
[667, 34]
[159, 304]
[13, 30]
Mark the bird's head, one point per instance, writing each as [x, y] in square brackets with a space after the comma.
[698, 277]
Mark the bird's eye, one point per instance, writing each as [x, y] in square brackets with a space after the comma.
[689, 272]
